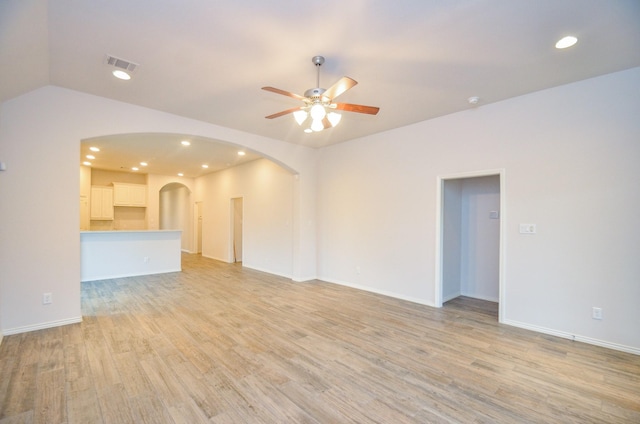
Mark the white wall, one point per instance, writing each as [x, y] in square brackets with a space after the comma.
[267, 193]
[40, 135]
[570, 156]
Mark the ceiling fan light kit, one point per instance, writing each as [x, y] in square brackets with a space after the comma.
[318, 112]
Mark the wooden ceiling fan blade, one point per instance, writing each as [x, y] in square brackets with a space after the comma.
[284, 112]
[284, 93]
[370, 110]
[339, 87]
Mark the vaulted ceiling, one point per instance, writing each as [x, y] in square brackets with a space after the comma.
[416, 60]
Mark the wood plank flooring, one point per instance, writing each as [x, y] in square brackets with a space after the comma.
[217, 343]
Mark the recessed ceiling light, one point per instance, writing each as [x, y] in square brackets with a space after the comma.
[86, 163]
[185, 143]
[241, 153]
[121, 75]
[565, 42]
[143, 163]
[134, 169]
[308, 130]
[205, 166]
[94, 149]
[90, 157]
[180, 174]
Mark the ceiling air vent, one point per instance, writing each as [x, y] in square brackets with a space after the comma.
[125, 65]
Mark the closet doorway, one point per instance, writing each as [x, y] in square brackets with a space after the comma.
[470, 230]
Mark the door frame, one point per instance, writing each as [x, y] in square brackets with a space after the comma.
[440, 233]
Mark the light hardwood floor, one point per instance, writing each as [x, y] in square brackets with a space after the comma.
[217, 343]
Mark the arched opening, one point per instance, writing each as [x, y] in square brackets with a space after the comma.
[175, 211]
[185, 195]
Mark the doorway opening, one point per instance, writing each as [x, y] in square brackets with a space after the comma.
[236, 229]
[470, 231]
[198, 229]
[175, 211]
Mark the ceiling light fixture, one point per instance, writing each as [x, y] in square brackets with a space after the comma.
[185, 143]
[565, 42]
[205, 166]
[241, 153]
[90, 157]
[143, 163]
[94, 149]
[180, 174]
[121, 75]
[86, 163]
[134, 169]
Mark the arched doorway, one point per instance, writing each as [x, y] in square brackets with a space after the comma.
[175, 211]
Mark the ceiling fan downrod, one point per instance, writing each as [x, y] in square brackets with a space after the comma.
[315, 94]
[318, 61]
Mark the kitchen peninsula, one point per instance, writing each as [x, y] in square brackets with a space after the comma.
[115, 254]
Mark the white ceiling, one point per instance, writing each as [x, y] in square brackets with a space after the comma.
[164, 154]
[416, 60]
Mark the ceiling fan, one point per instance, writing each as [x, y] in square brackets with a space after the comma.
[318, 112]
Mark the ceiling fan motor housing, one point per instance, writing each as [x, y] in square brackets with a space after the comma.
[315, 93]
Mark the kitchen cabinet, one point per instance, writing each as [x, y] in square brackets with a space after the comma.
[125, 194]
[101, 203]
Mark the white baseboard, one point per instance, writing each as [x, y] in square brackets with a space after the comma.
[42, 326]
[249, 266]
[450, 297]
[215, 258]
[476, 296]
[304, 279]
[135, 274]
[376, 291]
[575, 337]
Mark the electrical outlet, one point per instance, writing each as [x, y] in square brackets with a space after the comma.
[596, 313]
[46, 298]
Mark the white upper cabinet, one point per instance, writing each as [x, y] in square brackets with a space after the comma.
[129, 195]
[101, 203]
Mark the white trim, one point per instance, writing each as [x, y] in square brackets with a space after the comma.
[215, 258]
[304, 279]
[451, 297]
[136, 274]
[501, 173]
[376, 291]
[42, 326]
[475, 296]
[249, 266]
[574, 337]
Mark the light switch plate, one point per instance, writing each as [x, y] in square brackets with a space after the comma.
[527, 228]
